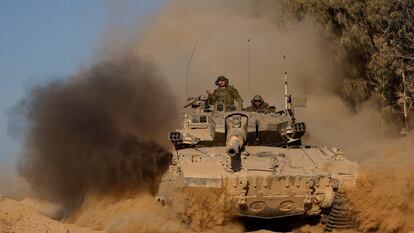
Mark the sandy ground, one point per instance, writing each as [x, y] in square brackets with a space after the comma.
[26, 217]
[32, 216]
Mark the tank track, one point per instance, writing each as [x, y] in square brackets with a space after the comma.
[341, 216]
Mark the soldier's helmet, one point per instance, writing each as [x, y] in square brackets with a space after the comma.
[257, 98]
[220, 78]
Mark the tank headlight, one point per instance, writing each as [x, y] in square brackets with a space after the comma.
[176, 137]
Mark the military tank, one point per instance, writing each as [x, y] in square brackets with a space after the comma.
[259, 160]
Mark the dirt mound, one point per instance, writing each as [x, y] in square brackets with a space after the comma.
[18, 217]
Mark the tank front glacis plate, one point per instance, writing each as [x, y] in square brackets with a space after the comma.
[273, 181]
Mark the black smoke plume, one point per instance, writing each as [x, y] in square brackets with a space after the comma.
[100, 131]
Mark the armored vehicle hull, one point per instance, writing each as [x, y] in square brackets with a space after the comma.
[272, 182]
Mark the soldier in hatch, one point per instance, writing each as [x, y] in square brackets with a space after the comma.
[258, 104]
[225, 94]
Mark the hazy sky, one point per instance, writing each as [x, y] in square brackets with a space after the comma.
[40, 40]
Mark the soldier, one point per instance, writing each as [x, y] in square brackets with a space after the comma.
[225, 94]
[258, 104]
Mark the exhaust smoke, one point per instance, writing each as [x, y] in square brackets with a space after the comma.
[101, 131]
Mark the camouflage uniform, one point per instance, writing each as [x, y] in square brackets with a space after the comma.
[263, 107]
[225, 95]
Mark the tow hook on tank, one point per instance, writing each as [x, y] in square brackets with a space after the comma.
[308, 198]
[244, 185]
[242, 202]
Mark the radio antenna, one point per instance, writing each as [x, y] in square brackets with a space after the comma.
[286, 83]
[248, 66]
[282, 32]
[188, 68]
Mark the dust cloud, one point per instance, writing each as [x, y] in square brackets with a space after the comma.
[191, 211]
[11, 184]
[100, 131]
[222, 30]
[384, 197]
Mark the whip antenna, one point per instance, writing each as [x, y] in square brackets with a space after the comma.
[282, 32]
[286, 83]
[248, 66]
[188, 68]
